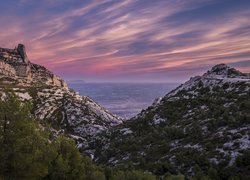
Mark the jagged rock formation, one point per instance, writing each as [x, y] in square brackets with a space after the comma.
[53, 102]
[15, 63]
[203, 123]
[22, 51]
[225, 71]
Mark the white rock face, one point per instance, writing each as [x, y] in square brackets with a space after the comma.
[78, 113]
[6, 69]
[15, 63]
[126, 131]
[217, 76]
[24, 96]
[157, 120]
[53, 103]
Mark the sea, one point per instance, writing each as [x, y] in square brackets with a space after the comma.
[123, 99]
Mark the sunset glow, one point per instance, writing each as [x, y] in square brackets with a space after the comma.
[129, 40]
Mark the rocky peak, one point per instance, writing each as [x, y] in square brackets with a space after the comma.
[224, 70]
[22, 51]
[219, 75]
[16, 55]
[15, 63]
[53, 102]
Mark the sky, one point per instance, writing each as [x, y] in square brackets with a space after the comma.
[129, 40]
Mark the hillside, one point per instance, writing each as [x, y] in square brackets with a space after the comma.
[53, 102]
[202, 127]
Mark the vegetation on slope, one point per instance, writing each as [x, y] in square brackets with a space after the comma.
[28, 152]
[201, 132]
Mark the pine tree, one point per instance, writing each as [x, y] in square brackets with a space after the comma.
[24, 149]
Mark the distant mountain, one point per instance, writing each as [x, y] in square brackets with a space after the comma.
[200, 128]
[76, 81]
[52, 100]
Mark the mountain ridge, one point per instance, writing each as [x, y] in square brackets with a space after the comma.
[53, 102]
[202, 123]
[15, 63]
[200, 127]
[218, 74]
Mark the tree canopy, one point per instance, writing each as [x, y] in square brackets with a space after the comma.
[27, 152]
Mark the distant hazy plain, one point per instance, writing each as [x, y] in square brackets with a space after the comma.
[123, 99]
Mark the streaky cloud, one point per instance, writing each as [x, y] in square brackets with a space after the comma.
[165, 40]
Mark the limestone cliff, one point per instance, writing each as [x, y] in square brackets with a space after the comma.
[52, 101]
[15, 63]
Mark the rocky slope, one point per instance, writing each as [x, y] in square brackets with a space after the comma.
[52, 100]
[16, 65]
[202, 126]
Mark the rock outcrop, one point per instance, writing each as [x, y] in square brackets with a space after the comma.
[7, 69]
[15, 63]
[53, 103]
[225, 71]
[22, 51]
